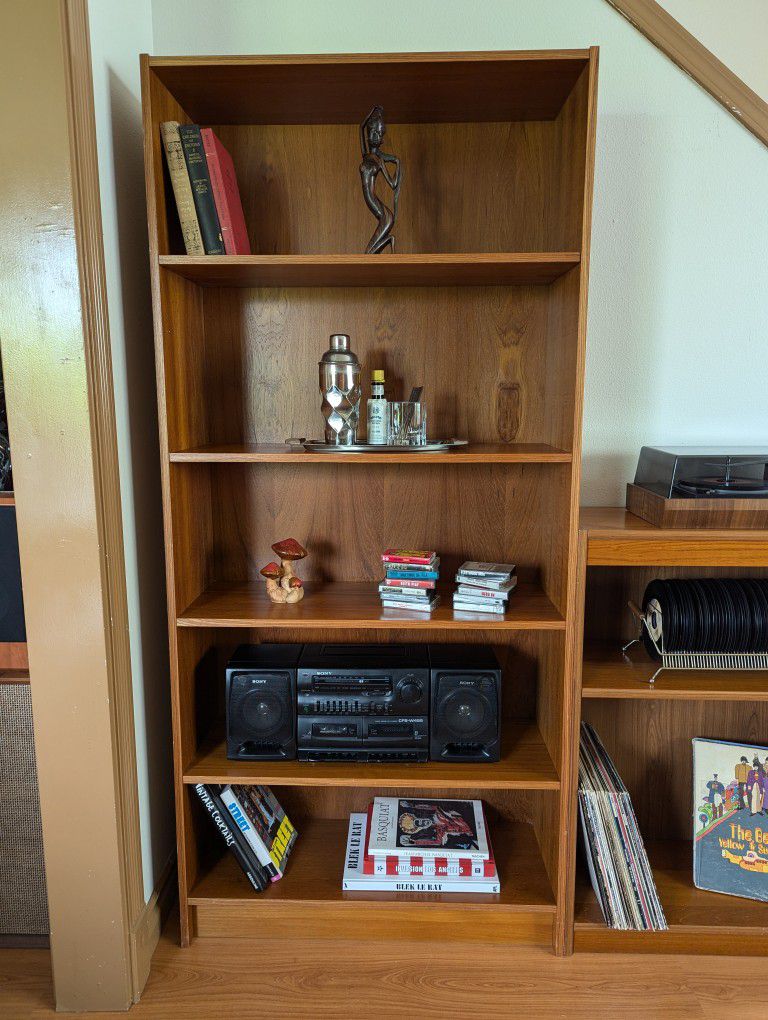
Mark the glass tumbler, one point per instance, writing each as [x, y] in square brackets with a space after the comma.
[407, 423]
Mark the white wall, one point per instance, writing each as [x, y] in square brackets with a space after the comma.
[736, 32]
[119, 32]
[677, 322]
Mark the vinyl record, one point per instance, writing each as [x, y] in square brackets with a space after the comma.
[703, 617]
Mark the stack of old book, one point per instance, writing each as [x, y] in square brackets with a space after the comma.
[438, 846]
[484, 587]
[410, 579]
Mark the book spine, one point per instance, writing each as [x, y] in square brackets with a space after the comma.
[406, 582]
[226, 195]
[256, 878]
[242, 842]
[377, 883]
[202, 192]
[182, 189]
[237, 810]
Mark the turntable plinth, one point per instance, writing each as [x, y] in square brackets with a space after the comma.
[720, 512]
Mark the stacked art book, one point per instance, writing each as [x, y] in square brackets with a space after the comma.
[410, 579]
[205, 189]
[618, 864]
[730, 818]
[484, 587]
[433, 846]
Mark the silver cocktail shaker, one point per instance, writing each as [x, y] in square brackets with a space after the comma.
[340, 389]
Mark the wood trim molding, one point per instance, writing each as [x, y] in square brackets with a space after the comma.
[697, 61]
[98, 353]
[146, 930]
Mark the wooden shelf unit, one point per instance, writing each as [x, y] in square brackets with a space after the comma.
[647, 729]
[484, 304]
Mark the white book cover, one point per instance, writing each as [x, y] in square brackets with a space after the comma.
[354, 879]
[429, 828]
[232, 804]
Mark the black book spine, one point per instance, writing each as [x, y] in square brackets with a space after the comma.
[202, 192]
[231, 836]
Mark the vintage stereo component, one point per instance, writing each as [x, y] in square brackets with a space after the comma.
[363, 703]
[701, 487]
[261, 702]
[466, 703]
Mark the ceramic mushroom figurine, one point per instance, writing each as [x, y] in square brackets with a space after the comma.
[289, 550]
[296, 590]
[273, 573]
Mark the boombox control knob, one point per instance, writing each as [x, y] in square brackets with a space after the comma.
[409, 690]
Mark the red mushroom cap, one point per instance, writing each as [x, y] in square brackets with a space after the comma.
[296, 582]
[289, 549]
[272, 571]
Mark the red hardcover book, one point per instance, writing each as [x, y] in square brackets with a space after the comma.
[394, 582]
[422, 556]
[226, 195]
[429, 867]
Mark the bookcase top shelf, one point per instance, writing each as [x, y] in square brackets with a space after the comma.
[427, 270]
[277, 453]
[344, 605]
[413, 87]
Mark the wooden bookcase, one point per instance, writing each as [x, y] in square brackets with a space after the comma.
[648, 730]
[485, 305]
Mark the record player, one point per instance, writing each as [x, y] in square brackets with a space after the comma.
[701, 487]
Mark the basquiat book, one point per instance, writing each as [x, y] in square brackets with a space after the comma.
[730, 818]
[429, 828]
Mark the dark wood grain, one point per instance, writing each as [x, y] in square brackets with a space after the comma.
[447, 270]
[333, 89]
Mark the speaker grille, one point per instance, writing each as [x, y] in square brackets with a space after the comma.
[23, 903]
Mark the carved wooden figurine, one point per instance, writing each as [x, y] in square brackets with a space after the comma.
[282, 584]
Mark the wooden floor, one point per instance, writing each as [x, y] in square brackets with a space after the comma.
[324, 979]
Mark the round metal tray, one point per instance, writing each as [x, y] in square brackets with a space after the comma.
[318, 446]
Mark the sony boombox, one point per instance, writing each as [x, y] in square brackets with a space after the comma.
[369, 703]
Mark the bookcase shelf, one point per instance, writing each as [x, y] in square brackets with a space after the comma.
[278, 453]
[525, 765]
[436, 270]
[310, 897]
[647, 730]
[337, 606]
[484, 304]
[698, 920]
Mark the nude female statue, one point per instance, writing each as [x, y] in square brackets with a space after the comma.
[372, 132]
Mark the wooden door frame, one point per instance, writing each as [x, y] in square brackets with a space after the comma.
[58, 379]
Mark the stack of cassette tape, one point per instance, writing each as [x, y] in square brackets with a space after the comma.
[410, 579]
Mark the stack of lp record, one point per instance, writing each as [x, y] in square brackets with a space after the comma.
[411, 579]
[484, 587]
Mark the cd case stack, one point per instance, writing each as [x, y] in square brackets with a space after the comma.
[410, 580]
[618, 864]
[484, 587]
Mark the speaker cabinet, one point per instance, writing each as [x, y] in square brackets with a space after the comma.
[23, 900]
[12, 629]
[261, 702]
[465, 704]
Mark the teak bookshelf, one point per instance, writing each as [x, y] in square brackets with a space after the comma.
[484, 303]
[648, 729]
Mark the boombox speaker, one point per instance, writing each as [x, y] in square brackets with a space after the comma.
[466, 703]
[261, 702]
